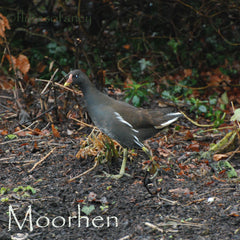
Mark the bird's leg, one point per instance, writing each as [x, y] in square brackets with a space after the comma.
[154, 165]
[148, 152]
[123, 166]
[152, 168]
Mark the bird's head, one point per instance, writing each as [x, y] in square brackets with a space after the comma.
[78, 79]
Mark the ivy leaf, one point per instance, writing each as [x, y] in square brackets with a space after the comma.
[144, 64]
[202, 108]
[236, 115]
[224, 98]
[87, 210]
[136, 101]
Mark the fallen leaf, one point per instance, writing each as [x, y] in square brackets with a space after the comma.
[187, 73]
[193, 147]
[218, 157]
[4, 24]
[126, 46]
[55, 132]
[188, 136]
[3, 132]
[92, 196]
[180, 191]
[36, 132]
[23, 64]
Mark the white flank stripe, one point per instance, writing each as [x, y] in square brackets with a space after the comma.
[174, 114]
[120, 118]
[136, 140]
[169, 122]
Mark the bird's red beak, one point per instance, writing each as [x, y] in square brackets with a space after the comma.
[69, 81]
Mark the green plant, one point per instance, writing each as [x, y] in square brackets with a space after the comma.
[183, 88]
[104, 207]
[4, 190]
[21, 189]
[174, 45]
[6, 199]
[207, 108]
[138, 93]
[222, 166]
[11, 136]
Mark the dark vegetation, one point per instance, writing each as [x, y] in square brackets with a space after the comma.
[150, 53]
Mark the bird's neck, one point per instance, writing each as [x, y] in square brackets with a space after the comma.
[90, 91]
[87, 88]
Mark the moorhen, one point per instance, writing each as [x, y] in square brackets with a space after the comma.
[126, 124]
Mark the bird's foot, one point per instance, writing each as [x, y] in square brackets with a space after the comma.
[116, 176]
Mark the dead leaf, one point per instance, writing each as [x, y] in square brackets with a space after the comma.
[4, 24]
[23, 64]
[218, 157]
[55, 131]
[218, 179]
[4, 132]
[35, 145]
[163, 152]
[92, 196]
[181, 173]
[36, 131]
[187, 72]
[214, 80]
[126, 46]
[128, 82]
[20, 133]
[12, 61]
[180, 191]
[188, 136]
[41, 67]
[193, 147]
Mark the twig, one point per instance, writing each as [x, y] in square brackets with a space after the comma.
[84, 173]
[18, 140]
[154, 227]
[169, 201]
[119, 64]
[233, 153]
[27, 127]
[195, 123]
[9, 109]
[83, 123]
[60, 85]
[6, 158]
[50, 81]
[43, 113]
[124, 238]
[39, 162]
[173, 221]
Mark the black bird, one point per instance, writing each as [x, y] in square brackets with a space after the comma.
[126, 124]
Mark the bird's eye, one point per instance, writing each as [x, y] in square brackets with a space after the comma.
[76, 76]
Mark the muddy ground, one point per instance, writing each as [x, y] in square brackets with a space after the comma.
[194, 199]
